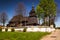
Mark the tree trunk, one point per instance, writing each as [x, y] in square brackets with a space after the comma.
[3, 24]
[39, 21]
[44, 21]
[49, 20]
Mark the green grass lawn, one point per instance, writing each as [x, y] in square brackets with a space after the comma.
[22, 35]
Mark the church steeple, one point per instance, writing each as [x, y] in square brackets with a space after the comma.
[32, 12]
[33, 6]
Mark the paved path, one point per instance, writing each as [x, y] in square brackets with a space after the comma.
[53, 36]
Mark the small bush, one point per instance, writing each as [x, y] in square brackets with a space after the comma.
[12, 30]
[24, 30]
[6, 29]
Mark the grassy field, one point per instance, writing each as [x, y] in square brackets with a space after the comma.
[22, 35]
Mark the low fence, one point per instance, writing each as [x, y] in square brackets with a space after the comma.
[32, 29]
[40, 29]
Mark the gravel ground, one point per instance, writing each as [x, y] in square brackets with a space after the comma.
[53, 36]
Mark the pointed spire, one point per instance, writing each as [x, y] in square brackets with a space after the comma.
[32, 6]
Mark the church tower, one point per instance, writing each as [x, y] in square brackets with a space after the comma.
[32, 12]
[32, 17]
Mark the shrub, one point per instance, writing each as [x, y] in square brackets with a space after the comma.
[6, 29]
[12, 29]
[24, 30]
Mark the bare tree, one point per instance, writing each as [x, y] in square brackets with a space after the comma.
[21, 9]
[3, 18]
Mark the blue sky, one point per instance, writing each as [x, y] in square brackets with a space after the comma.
[9, 7]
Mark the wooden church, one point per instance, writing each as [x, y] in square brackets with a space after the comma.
[19, 20]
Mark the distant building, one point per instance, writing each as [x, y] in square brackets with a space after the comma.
[19, 20]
